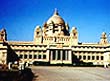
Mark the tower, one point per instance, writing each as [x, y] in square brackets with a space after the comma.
[3, 48]
[38, 35]
[3, 35]
[74, 36]
[103, 39]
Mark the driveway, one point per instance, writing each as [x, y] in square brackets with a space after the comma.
[45, 73]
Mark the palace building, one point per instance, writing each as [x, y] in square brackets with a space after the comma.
[53, 43]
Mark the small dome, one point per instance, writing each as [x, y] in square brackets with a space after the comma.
[104, 34]
[37, 27]
[56, 19]
[74, 28]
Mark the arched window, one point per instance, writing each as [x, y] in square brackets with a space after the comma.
[93, 57]
[39, 57]
[101, 57]
[25, 56]
[88, 57]
[35, 56]
[97, 57]
[84, 57]
[44, 56]
[80, 57]
[30, 56]
[21, 56]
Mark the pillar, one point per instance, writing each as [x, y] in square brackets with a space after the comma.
[51, 52]
[106, 59]
[32, 54]
[47, 55]
[66, 55]
[95, 56]
[91, 56]
[37, 54]
[41, 54]
[56, 53]
[69, 58]
[9, 65]
[61, 55]
[27, 53]
[86, 56]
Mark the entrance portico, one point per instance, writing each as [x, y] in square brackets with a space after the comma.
[60, 56]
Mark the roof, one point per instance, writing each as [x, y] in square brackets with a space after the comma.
[55, 18]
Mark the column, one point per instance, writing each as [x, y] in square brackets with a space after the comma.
[66, 58]
[47, 55]
[106, 59]
[42, 55]
[51, 53]
[99, 56]
[91, 56]
[36, 54]
[69, 58]
[95, 58]
[56, 53]
[81, 56]
[32, 54]
[86, 56]
[61, 55]
[22, 54]
[27, 53]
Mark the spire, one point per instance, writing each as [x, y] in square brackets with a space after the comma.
[56, 12]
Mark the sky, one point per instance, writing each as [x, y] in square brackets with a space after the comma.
[20, 17]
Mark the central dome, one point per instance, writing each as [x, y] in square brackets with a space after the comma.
[56, 19]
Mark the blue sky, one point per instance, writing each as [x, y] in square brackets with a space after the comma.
[20, 17]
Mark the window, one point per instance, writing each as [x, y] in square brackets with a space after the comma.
[25, 56]
[30, 51]
[75, 51]
[97, 57]
[101, 57]
[44, 51]
[79, 56]
[21, 56]
[44, 56]
[30, 56]
[39, 57]
[93, 57]
[80, 52]
[88, 57]
[35, 56]
[37, 33]
[84, 57]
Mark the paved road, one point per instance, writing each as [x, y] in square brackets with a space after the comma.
[44, 73]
